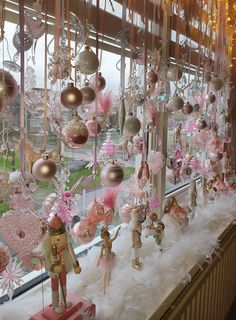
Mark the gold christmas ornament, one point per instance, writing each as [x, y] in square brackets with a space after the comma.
[210, 98]
[174, 73]
[44, 168]
[87, 61]
[187, 108]
[88, 93]
[132, 126]
[175, 103]
[112, 175]
[201, 124]
[152, 77]
[75, 133]
[100, 82]
[216, 83]
[8, 86]
[71, 97]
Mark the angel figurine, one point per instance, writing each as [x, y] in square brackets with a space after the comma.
[178, 213]
[159, 233]
[107, 257]
[59, 259]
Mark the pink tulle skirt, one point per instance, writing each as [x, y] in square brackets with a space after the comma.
[107, 262]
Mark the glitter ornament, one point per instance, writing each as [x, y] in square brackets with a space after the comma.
[8, 86]
[216, 83]
[100, 83]
[152, 77]
[201, 124]
[187, 108]
[28, 42]
[4, 257]
[210, 98]
[174, 73]
[132, 126]
[44, 168]
[75, 134]
[112, 175]
[87, 61]
[88, 93]
[71, 97]
[175, 103]
[94, 127]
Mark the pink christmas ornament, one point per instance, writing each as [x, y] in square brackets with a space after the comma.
[125, 213]
[156, 161]
[94, 127]
[84, 231]
[22, 230]
[95, 212]
[105, 101]
[4, 257]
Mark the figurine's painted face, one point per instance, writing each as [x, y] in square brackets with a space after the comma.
[59, 240]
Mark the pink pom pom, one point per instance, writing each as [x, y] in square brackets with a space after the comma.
[125, 213]
[110, 197]
[154, 202]
[4, 257]
[84, 231]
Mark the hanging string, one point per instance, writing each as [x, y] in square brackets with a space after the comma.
[45, 107]
[145, 149]
[22, 87]
[68, 35]
[102, 37]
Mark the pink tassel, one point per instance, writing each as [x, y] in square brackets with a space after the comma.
[105, 101]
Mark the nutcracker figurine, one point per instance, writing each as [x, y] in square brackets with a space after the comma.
[59, 259]
[136, 230]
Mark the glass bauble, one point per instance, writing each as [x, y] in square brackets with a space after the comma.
[88, 93]
[100, 82]
[44, 168]
[112, 175]
[187, 108]
[175, 103]
[87, 61]
[8, 85]
[94, 127]
[210, 98]
[132, 126]
[216, 83]
[174, 73]
[71, 97]
[75, 134]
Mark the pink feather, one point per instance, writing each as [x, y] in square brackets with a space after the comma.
[109, 198]
[105, 101]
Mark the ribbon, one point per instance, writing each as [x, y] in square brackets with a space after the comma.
[45, 107]
[22, 87]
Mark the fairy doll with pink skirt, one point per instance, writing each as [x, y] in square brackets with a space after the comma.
[107, 256]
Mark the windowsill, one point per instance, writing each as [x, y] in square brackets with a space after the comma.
[161, 273]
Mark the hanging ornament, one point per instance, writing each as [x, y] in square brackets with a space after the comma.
[201, 124]
[132, 126]
[122, 115]
[87, 61]
[174, 73]
[156, 161]
[100, 82]
[4, 257]
[112, 175]
[216, 83]
[207, 77]
[187, 108]
[17, 40]
[215, 156]
[71, 97]
[84, 231]
[75, 134]
[44, 168]
[152, 77]
[210, 98]
[196, 107]
[8, 86]
[88, 93]
[175, 103]
[94, 127]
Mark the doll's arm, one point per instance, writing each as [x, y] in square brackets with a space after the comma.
[116, 235]
[75, 262]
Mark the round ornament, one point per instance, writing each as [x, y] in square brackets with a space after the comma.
[175, 103]
[100, 82]
[4, 257]
[88, 93]
[44, 168]
[94, 127]
[75, 134]
[71, 97]
[84, 231]
[196, 107]
[132, 126]
[215, 156]
[17, 41]
[210, 98]
[216, 83]
[174, 73]
[87, 61]
[112, 175]
[201, 124]
[152, 77]
[187, 108]
[8, 85]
